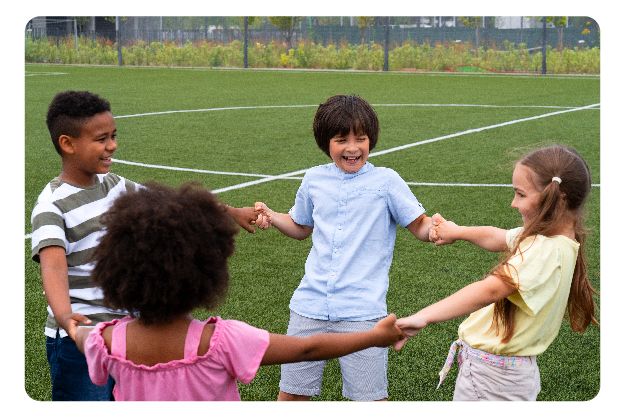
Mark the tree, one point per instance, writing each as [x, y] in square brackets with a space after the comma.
[476, 22]
[286, 25]
[364, 22]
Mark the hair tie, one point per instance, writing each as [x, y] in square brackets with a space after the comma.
[556, 179]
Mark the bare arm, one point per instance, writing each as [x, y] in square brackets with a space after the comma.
[284, 223]
[288, 349]
[56, 286]
[420, 228]
[486, 237]
[461, 303]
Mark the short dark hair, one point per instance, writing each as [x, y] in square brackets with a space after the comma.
[341, 114]
[69, 111]
[165, 252]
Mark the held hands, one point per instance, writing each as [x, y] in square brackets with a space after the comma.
[388, 332]
[71, 323]
[442, 231]
[246, 217]
[410, 326]
[265, 212]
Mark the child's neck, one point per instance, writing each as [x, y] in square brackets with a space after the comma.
[84, 180]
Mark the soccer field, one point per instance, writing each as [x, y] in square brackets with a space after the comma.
[247, 135]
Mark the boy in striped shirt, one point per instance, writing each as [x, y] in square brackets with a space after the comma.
[66, 229]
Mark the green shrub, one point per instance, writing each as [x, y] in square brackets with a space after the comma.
[308, 54]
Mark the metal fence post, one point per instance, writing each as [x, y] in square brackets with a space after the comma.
[544, 44]
[75, 34]
[245, 42]
[386, 40]
[119, 40]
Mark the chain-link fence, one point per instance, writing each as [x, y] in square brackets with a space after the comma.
[489, 32]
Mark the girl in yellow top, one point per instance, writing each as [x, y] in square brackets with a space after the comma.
[517, 310]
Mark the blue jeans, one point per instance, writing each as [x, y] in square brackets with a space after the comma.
[70, 375]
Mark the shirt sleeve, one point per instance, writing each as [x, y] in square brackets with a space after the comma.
[402, 203]
[302, 210]
[48, 228]
[537, 270]
[241, 349]
[97, 355]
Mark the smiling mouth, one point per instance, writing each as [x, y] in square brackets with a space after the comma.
[351, 159]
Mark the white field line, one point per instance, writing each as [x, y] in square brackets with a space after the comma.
[397, 148]
[290, 175]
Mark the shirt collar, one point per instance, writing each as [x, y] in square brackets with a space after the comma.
[339, 172]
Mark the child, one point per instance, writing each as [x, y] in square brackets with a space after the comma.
[164, 254]
[517, 310]
[66, 228]
[352, 209]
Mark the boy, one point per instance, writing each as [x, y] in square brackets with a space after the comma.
[66, 229]
[352, 209]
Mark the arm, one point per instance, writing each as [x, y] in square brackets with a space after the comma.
[56, 287]
[288, 349]
[486, 237]
[80, 336]
[420, 228]
[461, 303]
[284, 223]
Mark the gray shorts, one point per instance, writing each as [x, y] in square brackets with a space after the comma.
[363, 373]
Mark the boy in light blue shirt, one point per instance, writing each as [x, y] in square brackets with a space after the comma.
[351, 208]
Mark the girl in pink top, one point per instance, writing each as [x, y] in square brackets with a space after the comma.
[164, 254]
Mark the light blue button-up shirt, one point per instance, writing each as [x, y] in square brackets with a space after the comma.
[354, 219]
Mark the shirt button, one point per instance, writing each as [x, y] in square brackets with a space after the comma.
[342, 203]
[340, 227]
[344, 182]
[329, 295]
[332, 274]
[336, 251]
[367, 188]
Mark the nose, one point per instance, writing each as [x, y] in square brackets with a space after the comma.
[111, 145]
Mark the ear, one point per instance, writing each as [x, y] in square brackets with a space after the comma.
[66, 143]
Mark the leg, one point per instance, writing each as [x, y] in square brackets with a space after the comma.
[283, 396]
[302, 380]
[70, 374]
[364, 373]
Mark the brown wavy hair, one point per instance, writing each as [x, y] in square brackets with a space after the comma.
[557, 203]
[341, 114]
[165, 252]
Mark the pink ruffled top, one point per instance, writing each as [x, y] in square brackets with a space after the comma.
[235, 352]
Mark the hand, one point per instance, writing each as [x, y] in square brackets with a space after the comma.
[411, 326]
[436, 220]
[445, 233]
[388, 330]
[265, 213]
[248, 216]
[71, 323]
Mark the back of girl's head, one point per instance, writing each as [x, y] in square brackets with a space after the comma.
[557, 198]
[341, 114]
[165, 252]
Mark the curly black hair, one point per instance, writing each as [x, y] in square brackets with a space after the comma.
[341, 114]
[69, 111]
[164, 252]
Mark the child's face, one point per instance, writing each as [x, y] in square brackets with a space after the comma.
[350, 152]
[93, 149]
[526, 194]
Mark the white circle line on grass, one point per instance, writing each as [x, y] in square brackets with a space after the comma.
[316, 105]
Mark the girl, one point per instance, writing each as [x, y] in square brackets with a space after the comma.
[164, 254]
[517, 310]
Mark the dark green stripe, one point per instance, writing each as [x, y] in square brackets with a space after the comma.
[80, 257]
[84, 229]
[45, 243]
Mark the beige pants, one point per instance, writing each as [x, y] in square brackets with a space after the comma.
[482, 381]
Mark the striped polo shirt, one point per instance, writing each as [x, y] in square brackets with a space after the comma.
[68, 215]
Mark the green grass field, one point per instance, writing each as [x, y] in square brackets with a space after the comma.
[259, 122]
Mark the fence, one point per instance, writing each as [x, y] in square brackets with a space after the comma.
[493, 32]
